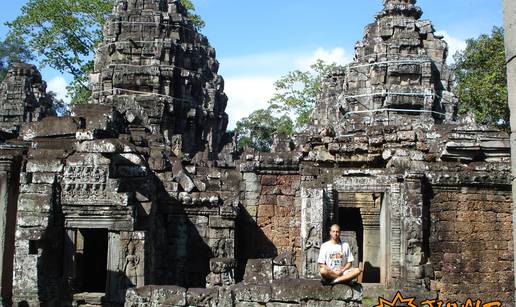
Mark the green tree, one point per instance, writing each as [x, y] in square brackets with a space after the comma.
[64, 33]
[289, 109]
[482, 79]
[12, 51]
[297, 91]
[257, 129]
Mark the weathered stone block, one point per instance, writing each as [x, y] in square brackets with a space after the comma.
[202, 297]
[258, 271]
[347, 293]
[140, 297]
[45, 189]
[50, 127]
[285, 272]
[102, 146]
[250, 177]
[36, 203]
[252, 293]
[44, 166]
[49, 178]
[220, 222]
[297, 290]
[168, 296]
[31, 220]
[221, 265]
[96, 116]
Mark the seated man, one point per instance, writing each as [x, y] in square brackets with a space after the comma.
[335, 260]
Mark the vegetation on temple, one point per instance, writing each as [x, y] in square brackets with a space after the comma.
[64, 33]
[12, 50]
[482, 79]
[257, 130]
[293, 102]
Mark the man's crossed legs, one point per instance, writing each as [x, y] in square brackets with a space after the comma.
[339, 276]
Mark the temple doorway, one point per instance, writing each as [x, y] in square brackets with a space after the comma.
[91, 250]
[359, 216]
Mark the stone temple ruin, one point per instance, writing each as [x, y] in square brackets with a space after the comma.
[141, 198]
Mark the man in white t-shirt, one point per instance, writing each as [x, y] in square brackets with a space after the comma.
[335, 260]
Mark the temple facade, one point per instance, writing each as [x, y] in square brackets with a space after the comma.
[141, 197]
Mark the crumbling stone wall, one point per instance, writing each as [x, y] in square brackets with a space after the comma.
[471, 244]
[272, 204]
[270, 198]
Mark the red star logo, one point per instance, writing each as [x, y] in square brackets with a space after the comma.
[398, 299]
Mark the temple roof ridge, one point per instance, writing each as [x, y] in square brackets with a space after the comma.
[407, 8]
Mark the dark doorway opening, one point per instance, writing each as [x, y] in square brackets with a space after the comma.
[350, 221]
[364, 241]
[93, 262]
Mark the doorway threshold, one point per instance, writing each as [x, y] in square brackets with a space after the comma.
[86, 299]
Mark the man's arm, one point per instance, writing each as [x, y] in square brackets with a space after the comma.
[347, 266]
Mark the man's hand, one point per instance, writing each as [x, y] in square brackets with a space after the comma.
[339, 271]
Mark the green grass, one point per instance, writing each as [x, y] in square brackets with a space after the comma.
[369, 302]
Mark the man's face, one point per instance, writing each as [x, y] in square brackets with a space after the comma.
[335, 233]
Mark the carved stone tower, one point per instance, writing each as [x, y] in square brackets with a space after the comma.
[23, 98]
[159, 72]
[399, 75]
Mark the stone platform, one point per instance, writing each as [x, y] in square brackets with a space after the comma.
[288, 292]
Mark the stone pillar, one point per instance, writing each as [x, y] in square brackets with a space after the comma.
[8, 194]
[371, 247]
[312, 230]
[510, 50]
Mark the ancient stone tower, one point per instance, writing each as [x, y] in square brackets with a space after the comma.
[23, 99]
[399, 65]
[141, 199]
[160, 73]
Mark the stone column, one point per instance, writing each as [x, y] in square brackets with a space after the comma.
[510, 50]
[312, 229]
[7, 225]
[4, 201]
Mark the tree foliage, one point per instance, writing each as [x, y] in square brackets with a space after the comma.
[482, 79]
[289, 109]
[257, 130]
[64, 33]
[297, 91]
[12, 50]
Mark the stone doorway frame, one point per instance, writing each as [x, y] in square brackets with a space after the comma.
[390, 218]
[115, 284]
[318, 212]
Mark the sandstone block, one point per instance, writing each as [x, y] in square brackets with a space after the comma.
[50, 127]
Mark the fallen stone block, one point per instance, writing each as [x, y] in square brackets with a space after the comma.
[50, 127]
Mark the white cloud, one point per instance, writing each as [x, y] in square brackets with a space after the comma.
[247, 94]
[250, 79]
[58, 86]
[454, 44]
[335, 55]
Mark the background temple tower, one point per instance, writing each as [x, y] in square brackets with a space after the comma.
[23, 98]
[159, 72]
[399, 75]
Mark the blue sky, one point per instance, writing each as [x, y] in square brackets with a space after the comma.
[258, 41]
